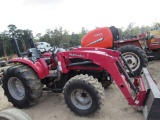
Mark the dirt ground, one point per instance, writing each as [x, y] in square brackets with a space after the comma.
[53, 107]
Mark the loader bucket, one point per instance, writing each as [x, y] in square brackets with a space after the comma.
[151, 108]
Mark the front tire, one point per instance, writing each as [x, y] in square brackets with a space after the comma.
[13, 114]
[22, 86]
[135, 57]
[84, 95]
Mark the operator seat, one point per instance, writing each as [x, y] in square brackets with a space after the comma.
[115, 33]
[33, 54]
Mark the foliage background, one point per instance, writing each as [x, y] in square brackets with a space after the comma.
[58, 35]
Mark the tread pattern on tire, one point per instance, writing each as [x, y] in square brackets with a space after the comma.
[139, 52]
[30, 79]
[90, 81]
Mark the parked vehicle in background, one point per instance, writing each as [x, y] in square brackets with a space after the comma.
[149, 42]
[2, 63]
[43, 46]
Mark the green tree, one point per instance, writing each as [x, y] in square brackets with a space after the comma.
[12, 28]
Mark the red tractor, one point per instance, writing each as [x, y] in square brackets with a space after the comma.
[81, 74]
[149, 42]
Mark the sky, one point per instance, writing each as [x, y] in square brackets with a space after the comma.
[72, 15]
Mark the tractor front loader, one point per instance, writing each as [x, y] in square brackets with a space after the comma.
[81, 74]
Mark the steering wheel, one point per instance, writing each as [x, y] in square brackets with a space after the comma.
[56, 49]
[51, 49]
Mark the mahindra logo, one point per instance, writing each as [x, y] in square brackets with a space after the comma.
[76, 55]
[98, 34]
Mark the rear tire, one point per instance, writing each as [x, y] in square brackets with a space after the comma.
[22, 86]
[84, 95]
[135, 57]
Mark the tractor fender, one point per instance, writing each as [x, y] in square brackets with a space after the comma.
[40, 66]
[134, 41]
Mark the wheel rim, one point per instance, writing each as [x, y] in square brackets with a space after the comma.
[16, 88]
[132, 59]
[81, 99]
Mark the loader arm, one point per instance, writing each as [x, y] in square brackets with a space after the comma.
[112, 65]
[147, 94]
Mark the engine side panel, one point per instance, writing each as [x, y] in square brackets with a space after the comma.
[100, 37]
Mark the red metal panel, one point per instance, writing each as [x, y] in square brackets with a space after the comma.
[108, 51]
[40, 66]
[84, 68]
[154, 43]
[134, 41]
[140, 97]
